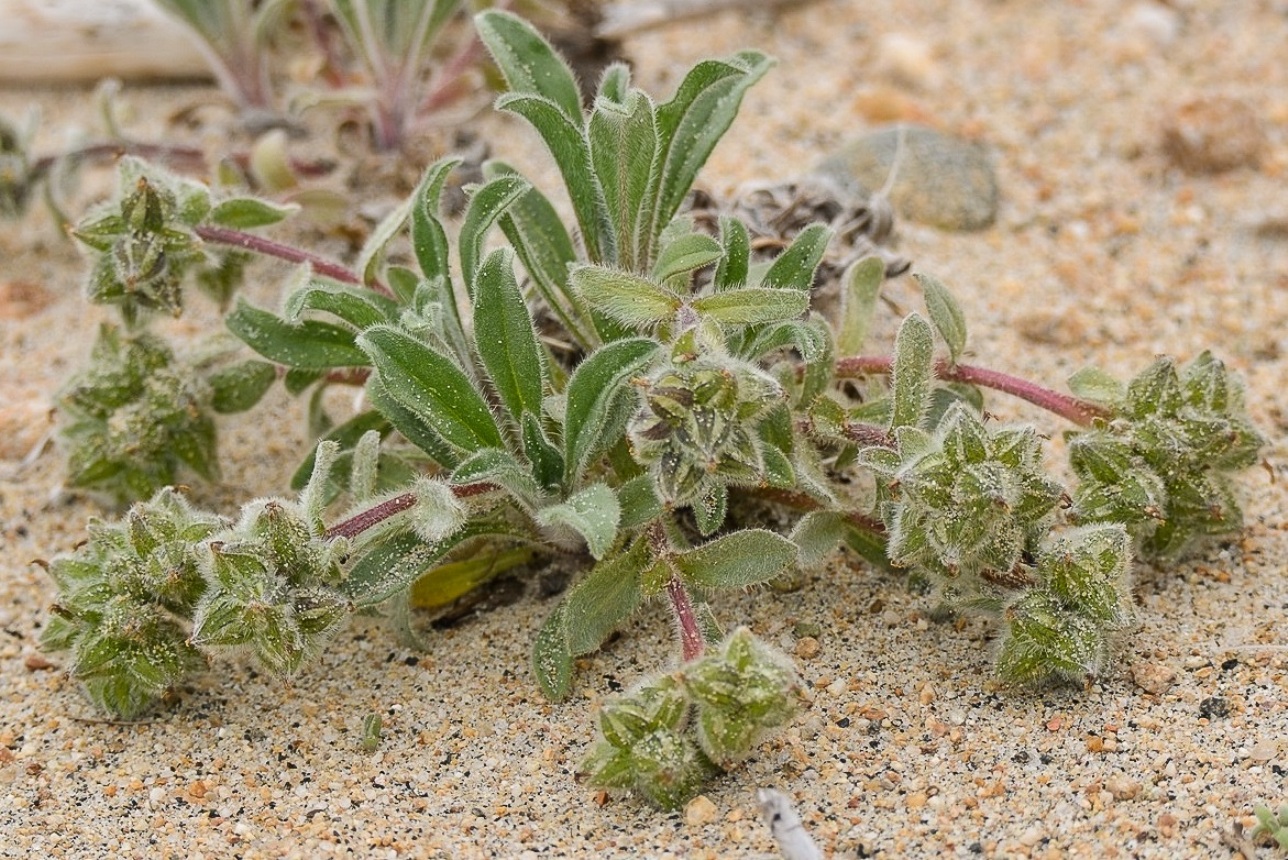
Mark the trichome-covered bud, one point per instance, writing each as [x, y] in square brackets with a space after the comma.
[1062, 628]
[644, 746]
[1161, 464]
[124, 598]
[15, 171]
[271, 587]
[698, 429]
[145, 241]
[135, 418]
[964, 503]
[742, 689]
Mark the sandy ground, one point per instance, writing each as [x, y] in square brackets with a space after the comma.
[1104, 251]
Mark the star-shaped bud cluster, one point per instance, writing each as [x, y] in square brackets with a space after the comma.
[123, 599]
[1162, 463]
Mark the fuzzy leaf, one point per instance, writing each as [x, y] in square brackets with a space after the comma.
[627, 298]
[593, 513]
[307, 344]
[497, 466]
[243, 213]
[547, 462]
[411, 424]
[505, 337]
[428, 239]
[566, 140]
[608, 595]
[1096, 385]
[623, 147]
[731, 271]
[684, 255]
[639, 502]
[945, 313]
[752, 306]
[737, 560]
[794, 268]
[358, 306]
[238, 388]
[591, 424]
[537, 234]
[369, 258]
[817, 535]
[527, 61]
[433, 387]
[395, 563]
[693, 121]
[914, 348]
[551, 659]
[487, 204]
[860, 287]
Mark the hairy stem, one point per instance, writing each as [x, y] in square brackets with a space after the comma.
[269, 248]
[378, 513]
[690, 633]
[1074, 409]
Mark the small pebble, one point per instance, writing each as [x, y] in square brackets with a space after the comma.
[1214, 707]
[699, 811]
[1264, 751]
[1212, 134]
[1122, 788]
[807, 648]
[1153, 678]
[943, 181]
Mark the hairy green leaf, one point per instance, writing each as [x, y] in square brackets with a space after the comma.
[737, 560]
[591, 424]
[914, 348]
[566, 140]
[528, 62]
[551, 658]
[625, 297]
[794, 268]
[860, 287]
[608, 595]
[238, 388]
[432, 386]
[593, 513]
[487, 204]
[307, 344]
[752, 306]
[505, 337]
[243, 213]
[623, 148]
[945, 313]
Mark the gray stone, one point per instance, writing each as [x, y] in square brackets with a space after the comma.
[941, 180]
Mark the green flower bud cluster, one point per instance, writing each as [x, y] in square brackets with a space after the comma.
[15, 171]
[124, 599]
[963, 504]
[145, 242]
[1161, 465]
[272, 587]
[697, 432]
[1062, 627]
[134, 418]
[665, 738]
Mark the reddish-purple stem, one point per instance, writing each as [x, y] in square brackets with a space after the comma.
[1075, 409]
[378, 513]
[269, 248]
[691, 640]
[373, 516]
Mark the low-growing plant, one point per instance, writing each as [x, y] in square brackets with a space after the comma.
[1273, 824]
[617, 405]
